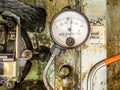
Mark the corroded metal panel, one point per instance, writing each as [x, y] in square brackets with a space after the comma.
[113, 43]
[94, 50]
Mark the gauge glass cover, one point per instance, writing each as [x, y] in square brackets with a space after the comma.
[69, 29]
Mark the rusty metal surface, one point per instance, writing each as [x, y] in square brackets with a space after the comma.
[113, 43]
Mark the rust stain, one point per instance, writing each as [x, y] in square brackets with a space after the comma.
[85, 73]
[84, 46]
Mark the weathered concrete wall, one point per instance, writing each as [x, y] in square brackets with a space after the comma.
[113, 47]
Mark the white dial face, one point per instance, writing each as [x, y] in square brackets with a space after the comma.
[69, 29]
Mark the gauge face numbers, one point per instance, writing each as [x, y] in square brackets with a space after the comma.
[69, 29]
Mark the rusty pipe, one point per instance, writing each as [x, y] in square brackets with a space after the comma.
[98, 66]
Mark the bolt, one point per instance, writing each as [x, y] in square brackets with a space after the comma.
[64, 71]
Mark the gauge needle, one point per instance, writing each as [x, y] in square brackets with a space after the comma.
[70, 28]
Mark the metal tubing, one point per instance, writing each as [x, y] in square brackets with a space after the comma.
[55, 51]
[45, 80]
[92, 73]
[97, 66]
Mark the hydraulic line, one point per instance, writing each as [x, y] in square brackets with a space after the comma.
[45, 80]
[98, 66]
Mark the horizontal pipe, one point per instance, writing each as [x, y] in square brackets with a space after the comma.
[112, 59]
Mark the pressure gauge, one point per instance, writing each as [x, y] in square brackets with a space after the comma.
[69, 28]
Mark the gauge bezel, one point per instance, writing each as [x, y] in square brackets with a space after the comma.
[51, 33]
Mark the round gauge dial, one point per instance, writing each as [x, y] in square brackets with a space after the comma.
[69, 28]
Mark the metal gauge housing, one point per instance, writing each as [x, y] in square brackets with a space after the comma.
[69, 28]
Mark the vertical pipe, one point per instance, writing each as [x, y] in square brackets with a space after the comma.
[78, 4]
